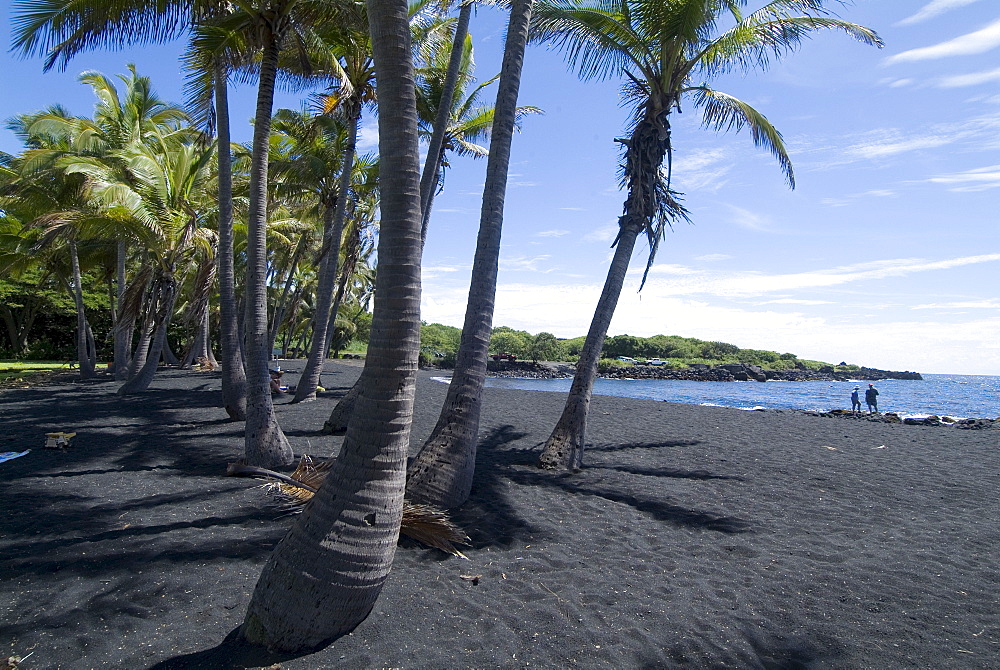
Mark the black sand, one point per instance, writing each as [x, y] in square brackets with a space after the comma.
[697, 537]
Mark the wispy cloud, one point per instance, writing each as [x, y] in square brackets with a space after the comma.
[709, 258]
[979, 179]
[794, 301]
[368, 136]
[971, 79]
[893, 144]
[552, 233]
[702, 171]
[967, 304]
[751, 284]
[525, 263]
[977, 42]
[573, 209]
[744, 218]
[932, 9]
[672, 269]
[603, 234]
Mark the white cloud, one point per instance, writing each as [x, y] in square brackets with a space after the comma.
[552, 233]
[573, 209]
[794, 301]
[891, 147]
[603, 234]
[713, 257]
[977, 42]
[932, 9]
[899, 83]
[672, 269]
[368, 136]
[968, 304]
[880, 193]
[972, 79]
[531, 264]
[702, 171]
[744, 218]
[979, 179]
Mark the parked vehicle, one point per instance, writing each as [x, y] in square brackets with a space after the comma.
[504, 357]
[626, 359]
[655, 361]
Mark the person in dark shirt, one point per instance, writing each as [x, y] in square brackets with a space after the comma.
[871, 398]
[856, 400]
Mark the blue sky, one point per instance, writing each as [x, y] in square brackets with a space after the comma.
[886, 254]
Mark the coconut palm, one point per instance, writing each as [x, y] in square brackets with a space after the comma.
[663, 49]
[325, 575]
[354, 74]
[441, 474]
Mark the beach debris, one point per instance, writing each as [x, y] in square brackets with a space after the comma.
[58, 440]
[881, 446]
[11, 455]
[831, 448]
[12, 662]
[425, 524]
[471, 578]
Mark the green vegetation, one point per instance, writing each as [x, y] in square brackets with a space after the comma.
[439, 344]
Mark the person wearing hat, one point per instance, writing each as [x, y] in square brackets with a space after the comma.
[276, 382]
[856, 400]
[871, 398]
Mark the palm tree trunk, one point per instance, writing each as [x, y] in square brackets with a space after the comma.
[166, 297]
[234, 380]
[327, 283]
[646, 149]
[325, 575]
[265, 443]
[82, 353]
[442, 472]
[123, 325]
[279, 309]
[435, 150]
[564, 448]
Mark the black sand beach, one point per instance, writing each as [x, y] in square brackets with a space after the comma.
[697, 537]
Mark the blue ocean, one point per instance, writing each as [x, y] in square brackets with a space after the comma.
[957, 396]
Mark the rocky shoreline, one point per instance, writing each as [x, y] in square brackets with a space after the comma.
[698, 372]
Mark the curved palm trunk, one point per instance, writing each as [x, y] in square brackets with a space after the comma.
[645, 152]
[327, 283]
[167, 296]
[341, 412]
[564, 448]
[441, 474]
[234, 380]
[123, 325]
[279, 309]
[82, 350]
[324, 577]
[435, 149]
[265, 443]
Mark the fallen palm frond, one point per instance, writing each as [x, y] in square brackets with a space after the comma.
[424, 524]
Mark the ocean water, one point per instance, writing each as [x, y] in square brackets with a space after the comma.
[957, 396]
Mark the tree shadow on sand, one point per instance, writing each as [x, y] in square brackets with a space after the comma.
[233, 653]
[491, 519]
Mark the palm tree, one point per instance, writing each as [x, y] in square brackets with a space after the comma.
[441, 474]
[432, 164]
[663, 49]
[355, 76]
[325, 575]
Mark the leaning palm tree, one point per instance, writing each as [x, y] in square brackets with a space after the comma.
[441, 474]
[354, 73]
[663, 49]
[324, 577]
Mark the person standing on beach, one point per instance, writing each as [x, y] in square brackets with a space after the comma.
[856, 400]
[871, 398]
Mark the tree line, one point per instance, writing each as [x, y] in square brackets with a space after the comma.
[178, 219]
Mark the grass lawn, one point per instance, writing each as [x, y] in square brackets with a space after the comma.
[12, 372]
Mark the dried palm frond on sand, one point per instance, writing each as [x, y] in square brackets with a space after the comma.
[424, 524]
